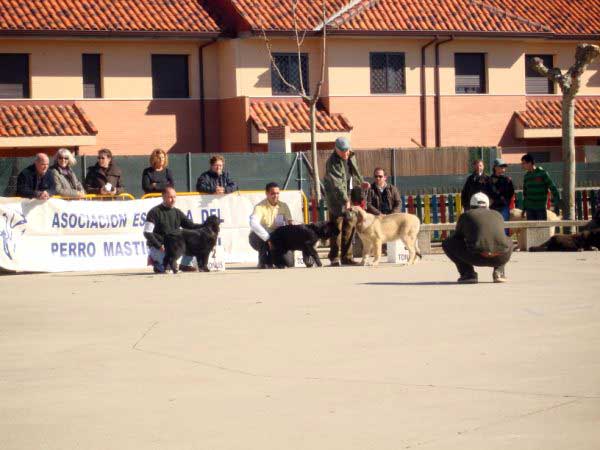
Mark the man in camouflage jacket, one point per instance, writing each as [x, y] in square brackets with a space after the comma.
[341, 175]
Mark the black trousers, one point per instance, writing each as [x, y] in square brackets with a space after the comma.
[536, 214]
[456, 250]
[343, 239]
[264, 255]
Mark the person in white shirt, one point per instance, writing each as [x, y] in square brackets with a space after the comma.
[268, 215]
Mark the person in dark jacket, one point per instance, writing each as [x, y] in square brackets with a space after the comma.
[215, 180]
[104, 177]
[158, 176]
[476, 182]
[382, 198]
[35, 181]
[342, 178]
[479, 240]
[500, 189]
[162, 220]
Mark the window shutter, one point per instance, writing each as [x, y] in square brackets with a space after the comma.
[378, 73]
[534, 82]
[287, 63]
[91, 76]
[170, 76]
[395, 73]
[469, 73]
[14, 75]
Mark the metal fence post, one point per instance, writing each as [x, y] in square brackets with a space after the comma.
[83, 167]
[189, 171]
[393, 150]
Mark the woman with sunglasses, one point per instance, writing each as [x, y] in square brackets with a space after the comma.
[104, 177]
[67, 184]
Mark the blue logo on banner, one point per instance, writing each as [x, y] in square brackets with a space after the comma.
[9, 225]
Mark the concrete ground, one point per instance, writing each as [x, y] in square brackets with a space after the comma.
[337, 358]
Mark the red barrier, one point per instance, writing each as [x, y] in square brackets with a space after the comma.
[314, 210]
[411, 204]
[513, 202]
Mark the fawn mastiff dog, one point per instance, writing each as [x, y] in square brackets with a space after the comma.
[516, 214]
[375, 230]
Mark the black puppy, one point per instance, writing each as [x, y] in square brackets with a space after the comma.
[300, 237]
[198, 242]
[586, 240]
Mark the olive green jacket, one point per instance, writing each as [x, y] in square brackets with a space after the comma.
[336, 182]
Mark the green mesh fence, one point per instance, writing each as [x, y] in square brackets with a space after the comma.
[252, 171]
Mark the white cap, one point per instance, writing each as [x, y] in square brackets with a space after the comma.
[480, 200]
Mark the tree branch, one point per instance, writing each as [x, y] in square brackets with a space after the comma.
[278, 71]
[584, 55]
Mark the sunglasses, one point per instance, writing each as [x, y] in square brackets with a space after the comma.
[63, 158]
[379, 176]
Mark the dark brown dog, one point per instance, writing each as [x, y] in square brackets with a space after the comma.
[578, 242]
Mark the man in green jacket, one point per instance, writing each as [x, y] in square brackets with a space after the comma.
[536, 184]
[341, 175]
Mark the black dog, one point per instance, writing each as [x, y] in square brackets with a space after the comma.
[586, 240]
[300, 237]
[198, 242]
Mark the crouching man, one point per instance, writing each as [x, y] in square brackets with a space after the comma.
[267, 216]
[479, 240]
[162, 220]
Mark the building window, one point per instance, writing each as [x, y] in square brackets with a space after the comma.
[170, 76]
[536, 83]
[287, 63]
[90, 64]
[387, 73]
[540, 157]
[14, 75]
[469, 70]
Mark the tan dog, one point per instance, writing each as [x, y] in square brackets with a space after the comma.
[375, 230]
[516, 215]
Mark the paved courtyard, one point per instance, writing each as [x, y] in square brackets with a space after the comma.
[345, 358]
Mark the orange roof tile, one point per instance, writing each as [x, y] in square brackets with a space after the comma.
[563, 17]
[434, 15]
[24, 120]
[186, 16]
[272, 15]
[295, 114]
[547, 113]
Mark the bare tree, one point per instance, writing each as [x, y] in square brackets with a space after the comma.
[569, 84]
[311, 98]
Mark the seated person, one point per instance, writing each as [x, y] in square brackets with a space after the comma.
[215, 180]
[67, 184]
[104, 177]
[479, 240]
[267, 216]
[382, 198]
[162, 220]
[158, 176]
[35, 181]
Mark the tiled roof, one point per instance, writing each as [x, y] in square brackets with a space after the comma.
[44, 120]
[295, 113]
[271, 15]
[563, 17]
[184, 16]
[547, 113]
[434, 15]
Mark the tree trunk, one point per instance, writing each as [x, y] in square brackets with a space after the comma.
[313, 150]
[568, 148]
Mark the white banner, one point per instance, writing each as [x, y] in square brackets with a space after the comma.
[58, 235]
